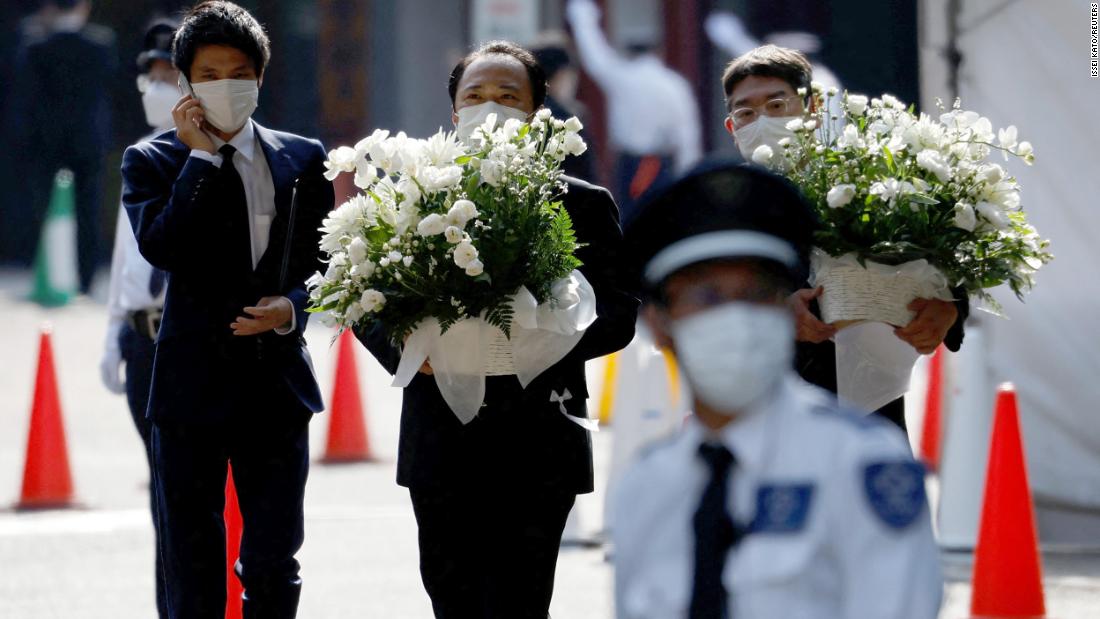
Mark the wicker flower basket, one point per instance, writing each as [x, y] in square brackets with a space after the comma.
[872, 292]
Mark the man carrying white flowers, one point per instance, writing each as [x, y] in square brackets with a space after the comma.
[491, 495]
[767, 90]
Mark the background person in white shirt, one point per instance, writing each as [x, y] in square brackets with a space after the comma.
[771, 501]
[135, 294]
[653, 117]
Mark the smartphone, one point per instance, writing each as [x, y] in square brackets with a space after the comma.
[185, 86]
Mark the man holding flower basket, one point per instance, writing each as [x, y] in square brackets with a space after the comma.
[914, 220]
[483, 280]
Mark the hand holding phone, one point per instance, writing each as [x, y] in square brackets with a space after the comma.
[189, 119]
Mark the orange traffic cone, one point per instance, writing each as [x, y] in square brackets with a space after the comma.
[932, 428]
[1008, 578]
[234, 526]
[347, 432]
[47, 482]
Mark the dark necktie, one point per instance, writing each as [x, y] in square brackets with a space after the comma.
[715, 534]
[233, 196]
[156, 282]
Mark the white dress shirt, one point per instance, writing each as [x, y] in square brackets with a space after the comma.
[651, 108]
[844, 558]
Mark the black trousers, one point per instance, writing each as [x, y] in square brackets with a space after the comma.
[87, 171]
[489, 551]
[268, 445]
[138, 352]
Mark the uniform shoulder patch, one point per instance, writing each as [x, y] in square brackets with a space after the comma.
[782, 508]
[895, 490]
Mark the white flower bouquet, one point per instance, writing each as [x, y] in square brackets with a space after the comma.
[459, 249]
[911, 205]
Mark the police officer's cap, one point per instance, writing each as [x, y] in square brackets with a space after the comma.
[721, 210]
[157, 44]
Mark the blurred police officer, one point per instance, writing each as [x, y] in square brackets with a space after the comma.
[771, 501]
[63, 84]
[135, 296]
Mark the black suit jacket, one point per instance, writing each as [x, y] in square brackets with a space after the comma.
[63, 93]
[520, 436]
[184, 226]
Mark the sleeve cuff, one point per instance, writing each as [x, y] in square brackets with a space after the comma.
[287, 330]
[205, 156]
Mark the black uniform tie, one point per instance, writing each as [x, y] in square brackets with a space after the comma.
[715, 534]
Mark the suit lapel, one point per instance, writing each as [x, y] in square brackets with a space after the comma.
[278, 161]
[282, 177]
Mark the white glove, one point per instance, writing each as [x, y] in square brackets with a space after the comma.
[726, 30]
[582, 11]
[110, 367]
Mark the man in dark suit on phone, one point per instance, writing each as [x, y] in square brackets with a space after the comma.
[491, 497]
[230, 211]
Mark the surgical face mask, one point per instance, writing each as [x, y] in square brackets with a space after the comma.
[764, 130]
[158, 99]
[227, 104]
[735, 354]
[472, 117]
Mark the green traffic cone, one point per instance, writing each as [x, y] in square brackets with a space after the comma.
[55, 278]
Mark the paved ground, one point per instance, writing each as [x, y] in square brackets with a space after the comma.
[359, 559]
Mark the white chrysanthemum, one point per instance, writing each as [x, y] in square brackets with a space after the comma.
[932, 161]
[357, 251]
[994, 215]
[431, 225]
[465, 253]
[511, 128]
[492, 172]
[436, 179]
[372, 300]
[848, 138]
[857, 104]
[345, 220]
[454, 235]
[408, 216]
[840, 195]
[441, 149]
[965, 217]
[474, 268]
[573, 124]
[353, 313]
[461, 212]
[763, 154]
[574, 144]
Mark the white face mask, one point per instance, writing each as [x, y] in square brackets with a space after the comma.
[158, 100]
[472, 117]
[227, 104]
[764, 130]
[735, 354]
